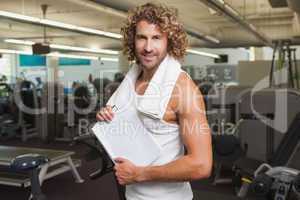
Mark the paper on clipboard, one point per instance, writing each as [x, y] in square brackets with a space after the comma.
[126, 137]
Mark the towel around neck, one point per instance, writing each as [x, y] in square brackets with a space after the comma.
[157, 94]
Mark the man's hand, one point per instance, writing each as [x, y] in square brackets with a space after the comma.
[105, 114]
[126, 172]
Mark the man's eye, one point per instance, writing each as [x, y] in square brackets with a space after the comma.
[156, 37]
[140, 37]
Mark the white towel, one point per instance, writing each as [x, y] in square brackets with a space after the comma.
[157, 95]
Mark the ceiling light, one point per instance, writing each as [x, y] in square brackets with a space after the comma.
[19, 17]
[65, 47]
[56, 54]
[13, 41]
[221, 1]
[98, 32]
[11, 51]
[201, 53]
[109, 59]
[211, 38]
[58, 24]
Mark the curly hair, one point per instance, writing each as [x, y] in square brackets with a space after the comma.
[165, 18]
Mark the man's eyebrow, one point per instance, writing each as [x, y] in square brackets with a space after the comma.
[139, 35]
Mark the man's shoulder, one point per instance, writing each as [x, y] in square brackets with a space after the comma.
[185, 82]
[184, 92]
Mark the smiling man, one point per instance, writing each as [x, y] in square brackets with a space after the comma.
[155, 39]
[150, 46]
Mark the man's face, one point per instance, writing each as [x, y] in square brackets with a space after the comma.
[150, 45]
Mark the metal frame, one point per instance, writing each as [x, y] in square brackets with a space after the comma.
[63, 162]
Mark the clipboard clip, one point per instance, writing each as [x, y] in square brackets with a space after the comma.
[114, 108]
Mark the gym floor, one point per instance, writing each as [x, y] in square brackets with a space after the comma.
[63, 187]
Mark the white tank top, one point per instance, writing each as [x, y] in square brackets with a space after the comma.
[167, 135]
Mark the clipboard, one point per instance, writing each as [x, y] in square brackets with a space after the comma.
[126, 137]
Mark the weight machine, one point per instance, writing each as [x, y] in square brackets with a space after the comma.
[286, 58]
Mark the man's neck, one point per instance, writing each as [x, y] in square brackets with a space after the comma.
[147, 74]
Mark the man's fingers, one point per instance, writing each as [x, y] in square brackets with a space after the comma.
[121, 182]
[99, 117]
[116, 167]
[120, 160]
[109, 108]
[105, 114]
[119, 175]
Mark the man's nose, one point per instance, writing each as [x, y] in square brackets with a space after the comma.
[148, 46]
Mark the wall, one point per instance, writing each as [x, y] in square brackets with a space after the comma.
[199, 67]
[251, 72]
[31, 73]
[68, 74]
[6, 66]
[29, 68]
[248, 74]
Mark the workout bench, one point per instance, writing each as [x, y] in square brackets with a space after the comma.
[59, 162]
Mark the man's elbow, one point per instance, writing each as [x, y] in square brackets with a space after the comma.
[202, 171]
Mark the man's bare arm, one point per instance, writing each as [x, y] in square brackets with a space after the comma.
[195, 133]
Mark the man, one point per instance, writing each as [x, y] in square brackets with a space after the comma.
[152, 35]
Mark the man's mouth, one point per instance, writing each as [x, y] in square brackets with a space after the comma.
[148, 57]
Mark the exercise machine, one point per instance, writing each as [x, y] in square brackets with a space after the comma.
[286, 58]
[105, 164]
[221, 109]
[275, 173]
[26, 100]
[276, 183]
[81, 110]
[52, 101]
[8, 117]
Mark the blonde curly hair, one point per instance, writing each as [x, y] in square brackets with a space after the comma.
[165, 18]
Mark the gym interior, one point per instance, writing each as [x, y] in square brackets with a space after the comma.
[60, 61]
